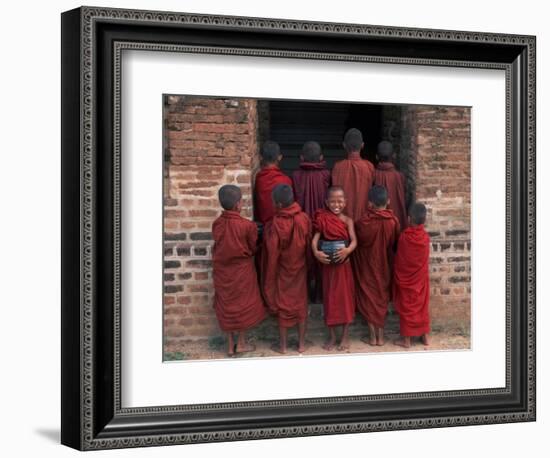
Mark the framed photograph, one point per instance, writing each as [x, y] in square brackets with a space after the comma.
[276, 228]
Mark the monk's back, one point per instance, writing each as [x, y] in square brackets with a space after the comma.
[234, 238]
[394, 181]
[266, 180]
[355, 175]
[237, 299]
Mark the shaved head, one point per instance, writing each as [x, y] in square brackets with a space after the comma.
[353, 140]
[229, 195]
[378, 196]
[384, 151]
[418, 213]
[282, 195]
[335, 189]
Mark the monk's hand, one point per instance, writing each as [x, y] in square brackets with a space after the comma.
[341, 255]
[321, 257]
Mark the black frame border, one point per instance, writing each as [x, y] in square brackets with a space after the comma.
[92, 42]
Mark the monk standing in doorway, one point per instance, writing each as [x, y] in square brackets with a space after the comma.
[310, 183]
[354, 175]
[269, 176]
[389, 177]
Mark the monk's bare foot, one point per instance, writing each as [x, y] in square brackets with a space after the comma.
[344, 344]
[426, 339]
[380, 337]
[301, 348]
[245, 348]
[231, 350]
[329, 345]
[369, 340]
[404, 342]
[278, 349]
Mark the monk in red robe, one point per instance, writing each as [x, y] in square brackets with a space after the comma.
[331, 225]
[411, 279]
[237, 300]
[394, 181]
[354, 175]
[287, 237]
[377, 233]
[267, 178]
[310, 189]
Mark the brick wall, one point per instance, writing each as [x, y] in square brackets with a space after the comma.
[208, 142]
[440, 142]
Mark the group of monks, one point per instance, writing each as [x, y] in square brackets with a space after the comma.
[383, 252]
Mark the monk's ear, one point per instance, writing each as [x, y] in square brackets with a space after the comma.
[279, 158]
[321, 157]
[362, 146]
[302, 157]
[388, 203]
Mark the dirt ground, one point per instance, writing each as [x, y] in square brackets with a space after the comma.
[215, 348]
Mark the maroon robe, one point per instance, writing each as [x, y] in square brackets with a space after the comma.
[411, 281]
[266, 179]
[287, 238]
[310, 185]
[237, 299]
[394, 181]
[338, 285]
[355, 175]
[376, 231]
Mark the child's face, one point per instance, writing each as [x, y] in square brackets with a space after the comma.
[336, 202]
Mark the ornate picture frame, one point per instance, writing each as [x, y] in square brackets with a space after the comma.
[92, 414]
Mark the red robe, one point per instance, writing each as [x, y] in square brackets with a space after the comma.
[266, 179]
[394, 181]
[355, 175]
[377, 231]
[310, 185]
[338, 286]
[411, 281]
[287, 238]
[237, 299]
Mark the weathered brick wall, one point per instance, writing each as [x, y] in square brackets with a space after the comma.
[208, 142]
[440, 139]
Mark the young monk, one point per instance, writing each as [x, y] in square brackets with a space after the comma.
[310, 187]
[354, 175]
[377, 233]
[331, 224]
[411, 279]
[394, 181]
[267, 178]
[237, 300]
[284, 268]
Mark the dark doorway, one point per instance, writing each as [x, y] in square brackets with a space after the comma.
[291, 124]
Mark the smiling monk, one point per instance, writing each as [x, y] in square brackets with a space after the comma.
[333, 242]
